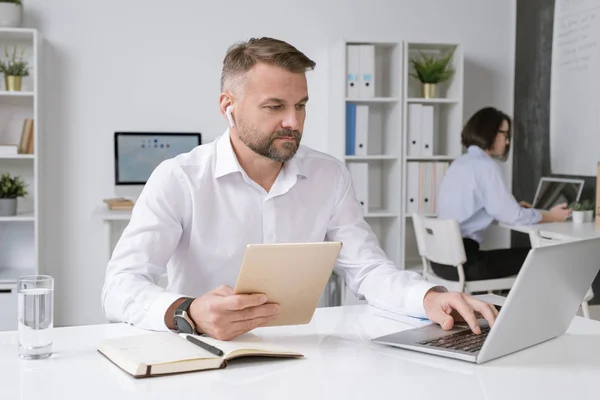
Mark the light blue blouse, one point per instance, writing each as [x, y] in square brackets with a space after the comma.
[474, 193]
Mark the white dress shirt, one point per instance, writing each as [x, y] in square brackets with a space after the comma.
[199, 210]
[474, 193]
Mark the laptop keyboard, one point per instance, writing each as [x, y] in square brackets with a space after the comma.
[464, 340]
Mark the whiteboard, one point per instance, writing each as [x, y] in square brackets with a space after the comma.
[575, 88]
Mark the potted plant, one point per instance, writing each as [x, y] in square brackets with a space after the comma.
[11, 13]
[582, 211]
[14, 69]
[10, 189]
[430, 71]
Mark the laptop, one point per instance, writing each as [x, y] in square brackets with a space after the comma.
[540, 306]
[553, 191]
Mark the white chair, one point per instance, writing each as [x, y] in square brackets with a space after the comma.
[538, 240]
[440, 241]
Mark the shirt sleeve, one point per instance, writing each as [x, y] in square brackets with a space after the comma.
[499, 202]
[131, 293]
[366, 269]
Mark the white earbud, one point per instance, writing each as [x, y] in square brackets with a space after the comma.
[229, 117]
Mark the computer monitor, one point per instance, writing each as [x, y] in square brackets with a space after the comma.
[553, 191]
[137, 154]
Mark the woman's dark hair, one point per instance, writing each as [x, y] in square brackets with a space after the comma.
[483, 127]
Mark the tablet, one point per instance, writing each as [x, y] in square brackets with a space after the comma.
[292, 275]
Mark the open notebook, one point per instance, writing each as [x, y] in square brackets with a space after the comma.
[161, 353]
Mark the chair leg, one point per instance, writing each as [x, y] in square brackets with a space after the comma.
[585, 309]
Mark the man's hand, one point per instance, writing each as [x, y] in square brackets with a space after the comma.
[223, 315]
[447, 308]
[525, 204]
[558, 213]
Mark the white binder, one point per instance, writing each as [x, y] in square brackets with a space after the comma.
[439, 173]
[426, 188]
[412, 187]
[360, 178]
[367, 71]
[362, 130]
[352, 71]
[414, 130]
[427, 130]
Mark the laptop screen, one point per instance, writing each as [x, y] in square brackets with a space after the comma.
[556, 191]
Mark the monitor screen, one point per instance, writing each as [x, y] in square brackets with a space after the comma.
[552, 192]
[138, 154]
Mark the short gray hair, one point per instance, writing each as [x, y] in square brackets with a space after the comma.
[243, 56]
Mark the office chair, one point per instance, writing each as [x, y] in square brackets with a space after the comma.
[440, 241]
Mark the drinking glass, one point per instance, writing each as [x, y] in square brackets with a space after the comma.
[36, 316]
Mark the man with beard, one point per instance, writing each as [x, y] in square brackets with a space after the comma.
[254, 184]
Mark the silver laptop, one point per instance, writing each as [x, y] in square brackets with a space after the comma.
[540, 306]
[553, 191]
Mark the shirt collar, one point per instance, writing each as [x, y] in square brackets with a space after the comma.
[476, 150]
[227, 162]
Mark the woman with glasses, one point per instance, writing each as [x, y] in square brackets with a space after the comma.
[474, 193]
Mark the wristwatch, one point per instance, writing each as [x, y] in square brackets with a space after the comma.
[182, 320]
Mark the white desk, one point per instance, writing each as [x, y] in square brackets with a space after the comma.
[340, 363]
[559, 230]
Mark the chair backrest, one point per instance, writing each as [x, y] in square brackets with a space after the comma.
[439, 240]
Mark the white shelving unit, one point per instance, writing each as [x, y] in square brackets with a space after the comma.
[19, 235]
[387, 163]
[383, 157]
[448, 121]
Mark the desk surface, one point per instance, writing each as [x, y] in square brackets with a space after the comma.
[340, 363]
[560, 230]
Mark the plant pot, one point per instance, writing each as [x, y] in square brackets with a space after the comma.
[579, 217]
[588, 216]
[13, 83]
[11, 15]
[429, 90]
[8, 207]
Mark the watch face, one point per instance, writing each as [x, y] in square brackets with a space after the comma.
[183, 325]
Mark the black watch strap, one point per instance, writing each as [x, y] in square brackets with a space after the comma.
[184, 306]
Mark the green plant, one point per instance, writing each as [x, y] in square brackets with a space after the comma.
[12, 187]
[430, 69]
[585, 205]
[17, 2]
[14, 66]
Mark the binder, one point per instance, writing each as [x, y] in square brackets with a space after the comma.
[350, 129]
[412, 187]
[439, 173]
[414, 130]
[360, 179]
[427, 130]
[367, 71]
[426, 191]
[352, 71]
[362, 130]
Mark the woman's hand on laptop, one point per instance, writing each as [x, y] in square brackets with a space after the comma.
[525, 204]
[447, 308]
[223, 315]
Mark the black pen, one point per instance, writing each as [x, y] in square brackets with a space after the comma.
[205, 346]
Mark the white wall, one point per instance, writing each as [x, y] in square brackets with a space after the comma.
[155, 65]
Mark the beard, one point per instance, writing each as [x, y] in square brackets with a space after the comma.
[266, 145]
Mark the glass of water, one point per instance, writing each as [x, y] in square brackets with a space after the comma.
[36, 316]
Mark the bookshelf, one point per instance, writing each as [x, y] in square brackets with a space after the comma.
[19, 234]
[387, 156]
[427, 166]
